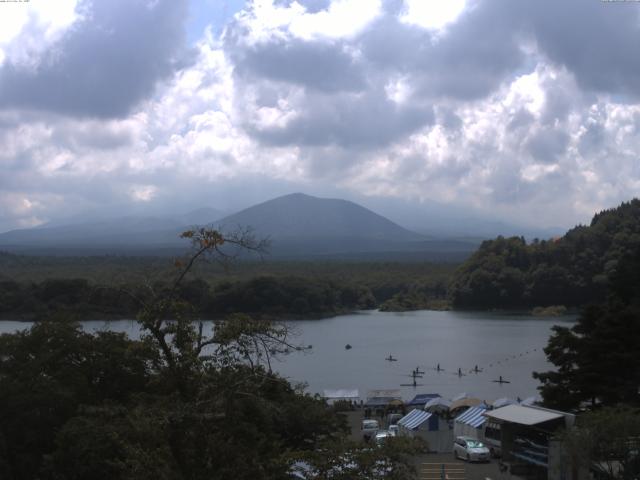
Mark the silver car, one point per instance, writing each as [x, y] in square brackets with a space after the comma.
[369, 429]
[471, 450]
[382, 436]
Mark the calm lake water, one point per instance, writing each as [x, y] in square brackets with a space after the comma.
[499, 344]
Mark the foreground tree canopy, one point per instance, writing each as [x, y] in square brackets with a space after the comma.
[180, 403]
[598, 359]
[573, 270]
[606, 441]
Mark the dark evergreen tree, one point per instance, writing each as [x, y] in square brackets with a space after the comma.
[598, 359]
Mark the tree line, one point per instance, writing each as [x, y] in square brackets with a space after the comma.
[573, 270]
[268, 296]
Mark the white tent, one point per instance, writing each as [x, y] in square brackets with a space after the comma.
[342, 394]
[460, 396]
[437, 404]
[529, 401]
[428, 426]
[503, 402]
[470, 423]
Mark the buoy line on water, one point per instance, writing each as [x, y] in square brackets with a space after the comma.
[460, 372]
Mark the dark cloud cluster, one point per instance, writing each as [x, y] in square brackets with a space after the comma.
[597, 41]
[523, 107]
[320, 66]
[105, 64]
[366, 122]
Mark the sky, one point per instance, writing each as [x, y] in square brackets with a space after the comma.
[523, 111]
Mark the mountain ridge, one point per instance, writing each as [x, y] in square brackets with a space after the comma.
[298, 225]
[300, 215]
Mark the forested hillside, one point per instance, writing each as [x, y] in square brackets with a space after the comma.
[572, 270]
[268, 290]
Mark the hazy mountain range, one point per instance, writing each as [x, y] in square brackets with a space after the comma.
[298, 225]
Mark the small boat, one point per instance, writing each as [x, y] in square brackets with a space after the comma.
[348, 347]
[391, 358]
[501, 380]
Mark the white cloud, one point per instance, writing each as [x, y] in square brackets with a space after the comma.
[143, 193]
[342, 19]
[530, 145]
[30, 28]
[432, 14]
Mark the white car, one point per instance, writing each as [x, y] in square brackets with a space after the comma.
[369, 429]
[471, 450]
[382, 436]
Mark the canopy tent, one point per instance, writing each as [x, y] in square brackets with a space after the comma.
[414, 419]
[470, 423]
[474, 417]
[531, 400]
[348, 395]
[460, 396]
[464, 402]
[503, 402]
[422, 399]
[437, 405]
[429, 427]
[381, 402]
[383, 398]
[390, 392]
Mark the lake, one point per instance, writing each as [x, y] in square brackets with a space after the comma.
[499, 344]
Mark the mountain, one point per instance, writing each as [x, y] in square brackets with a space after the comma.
[302, 216]
[439, 220]
[109, 235]
[298, 226]
[200, 216]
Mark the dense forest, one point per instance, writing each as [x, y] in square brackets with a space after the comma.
[572, 270]
[597, 373]
[109, 287]
[598, 360]
[183, 402]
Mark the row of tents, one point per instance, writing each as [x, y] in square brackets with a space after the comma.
[431, 402]
[526, 435]
[435, 419]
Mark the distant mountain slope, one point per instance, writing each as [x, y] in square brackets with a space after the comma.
[121, 232]
[303, 216]
[298, 225]
[572, 270]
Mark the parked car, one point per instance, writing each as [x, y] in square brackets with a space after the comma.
[393, 430]
[369, 428]
[393, 418]
[470, 449]
[382, 436]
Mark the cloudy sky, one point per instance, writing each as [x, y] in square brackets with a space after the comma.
[527, 111]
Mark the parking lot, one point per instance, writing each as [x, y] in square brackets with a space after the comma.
[430, 466]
